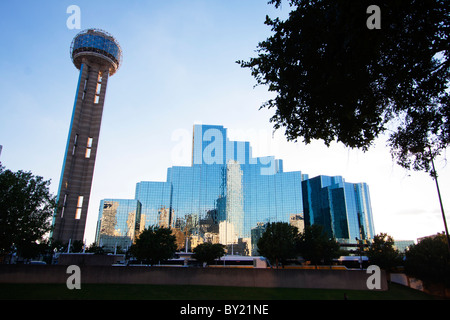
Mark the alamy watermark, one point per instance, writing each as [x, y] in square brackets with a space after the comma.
[374, 280]
[74, 280]
[374, 20]
[212, 146]
[74, 20]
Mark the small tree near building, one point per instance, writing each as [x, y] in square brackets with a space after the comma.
[26, 209]
[429, 260]
[278, 243]
[383, 253]
[155, 244]
[208, 252]
[316, 246]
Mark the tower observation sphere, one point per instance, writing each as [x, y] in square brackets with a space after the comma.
[97, 45]
[97, 55]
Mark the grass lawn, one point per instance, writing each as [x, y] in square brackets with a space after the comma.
[167, 292]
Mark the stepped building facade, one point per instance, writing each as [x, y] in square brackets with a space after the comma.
[227, 196]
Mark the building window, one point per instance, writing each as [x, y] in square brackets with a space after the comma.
[79, 207]
[64, 206]
[88, 148]
[78, 214]
[99, 87]
[74, 144]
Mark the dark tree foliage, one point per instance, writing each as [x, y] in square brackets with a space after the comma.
[337, 80]
[278, 242]
[93, 248]
[316, 246]
[208, 252]
[429, 260]
[76, 246]
[26, 209]
[154, 244]
[383, 253]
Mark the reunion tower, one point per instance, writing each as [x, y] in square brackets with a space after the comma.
[97, 55]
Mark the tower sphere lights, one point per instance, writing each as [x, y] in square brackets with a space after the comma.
[99, 46]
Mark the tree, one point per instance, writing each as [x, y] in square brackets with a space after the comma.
[383, 253]
[93, 248]
[278, 242]
[26, 209]
[154, 244]
[208, 252]
[316, 246]
[429, 260]
[76, 246]
[335, 79]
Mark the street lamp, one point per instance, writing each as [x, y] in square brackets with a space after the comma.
[360, 252]
[434, 175]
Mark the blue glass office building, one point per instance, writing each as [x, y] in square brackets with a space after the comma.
[342, 208]
[118, 223]
[227, 196]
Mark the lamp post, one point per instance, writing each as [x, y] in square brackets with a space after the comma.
[360, 252]
[434, 175]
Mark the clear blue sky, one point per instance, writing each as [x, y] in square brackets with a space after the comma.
[178, 69]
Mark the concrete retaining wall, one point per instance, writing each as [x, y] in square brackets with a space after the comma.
[435, 289]
[85, 259]
[245, 277]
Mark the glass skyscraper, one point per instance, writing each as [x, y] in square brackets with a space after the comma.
[118, 223]
[342, 208]
[227, 196]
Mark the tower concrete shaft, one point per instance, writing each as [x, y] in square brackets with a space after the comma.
[97, 56]
[81, 151]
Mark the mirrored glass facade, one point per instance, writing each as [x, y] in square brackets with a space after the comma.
[227, 196]
[342, 208]
[118, 223]
[96, 43]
